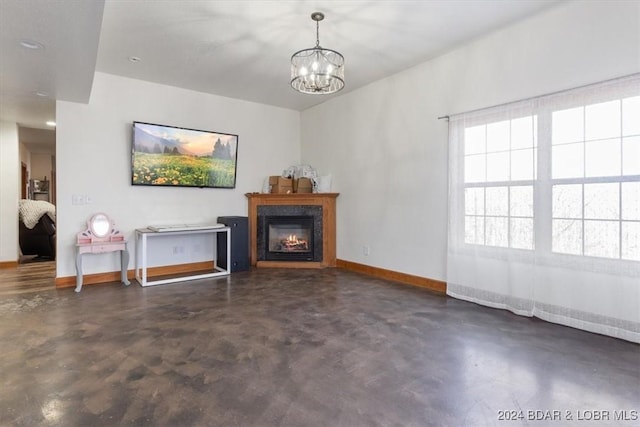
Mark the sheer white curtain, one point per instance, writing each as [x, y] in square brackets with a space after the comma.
[544, 207]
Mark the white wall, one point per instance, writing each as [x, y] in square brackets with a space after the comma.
[93, 159]
[9, 191]
[41, 166]
[387, 151]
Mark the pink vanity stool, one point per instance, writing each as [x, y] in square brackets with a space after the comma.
[100, 237]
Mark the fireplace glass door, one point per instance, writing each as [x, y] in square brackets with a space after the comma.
[289, 238]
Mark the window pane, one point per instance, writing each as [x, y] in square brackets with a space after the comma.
[567, 201]
[498, 167]
[602, 120]
[474, 140]
[568, 126]
[474, 201]
[601, 238]
[497, 202]
[567, 236]
[602, 158]
[602, 201]
[631, 156]
[522, 132]
[522, 233]
[521, 201]
[474, 168]
[498, 136]
[630, 116]
[497, 229]
[474, 230]
[631, 200]
[522, 165]
[631, 240]
[567, 161]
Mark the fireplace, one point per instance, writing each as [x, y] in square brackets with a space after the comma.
[288, 238]
[320, 206]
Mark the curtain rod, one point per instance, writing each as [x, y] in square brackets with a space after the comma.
[616, 79]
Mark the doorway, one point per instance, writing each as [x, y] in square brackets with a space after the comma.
[24, 181]
[37, 245]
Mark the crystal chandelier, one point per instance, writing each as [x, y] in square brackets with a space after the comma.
[317, 70]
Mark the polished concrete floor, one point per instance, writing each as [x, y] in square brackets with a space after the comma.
[299, 348]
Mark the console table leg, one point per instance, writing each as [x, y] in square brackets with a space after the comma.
[78, 272]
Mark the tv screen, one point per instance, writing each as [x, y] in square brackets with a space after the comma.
[180, 157]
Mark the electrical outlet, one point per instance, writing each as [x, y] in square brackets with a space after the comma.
[366, 250]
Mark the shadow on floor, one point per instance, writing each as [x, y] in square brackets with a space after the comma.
[27, 259]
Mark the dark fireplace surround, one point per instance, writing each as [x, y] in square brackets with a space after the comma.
[277, 224]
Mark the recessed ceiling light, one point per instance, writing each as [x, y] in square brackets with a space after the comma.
[51, 123]
[134, 59]
[31, 44]
[42, 94]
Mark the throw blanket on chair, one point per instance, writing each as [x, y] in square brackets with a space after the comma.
[32, 210]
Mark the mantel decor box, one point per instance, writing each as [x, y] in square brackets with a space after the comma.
[302, 185]
[280, 185]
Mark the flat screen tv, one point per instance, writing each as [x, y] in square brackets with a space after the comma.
[179, 157]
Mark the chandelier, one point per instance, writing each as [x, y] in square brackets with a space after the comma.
[317, 70]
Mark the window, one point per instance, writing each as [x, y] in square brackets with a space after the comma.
[500, 166]
[596, 191]
[583, 199]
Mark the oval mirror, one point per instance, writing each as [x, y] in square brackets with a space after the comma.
[100, 225]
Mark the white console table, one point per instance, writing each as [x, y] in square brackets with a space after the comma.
[145, 235]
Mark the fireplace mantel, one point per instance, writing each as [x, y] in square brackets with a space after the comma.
[328, 203]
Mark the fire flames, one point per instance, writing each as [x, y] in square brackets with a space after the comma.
[292, 243]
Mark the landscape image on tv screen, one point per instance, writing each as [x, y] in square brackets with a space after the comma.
[179, 157]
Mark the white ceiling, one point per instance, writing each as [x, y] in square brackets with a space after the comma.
[239, 49]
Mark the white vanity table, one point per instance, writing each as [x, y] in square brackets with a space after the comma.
[101, 237]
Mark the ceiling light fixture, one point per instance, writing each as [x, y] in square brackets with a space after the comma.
[51, 123]
[317, 70]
